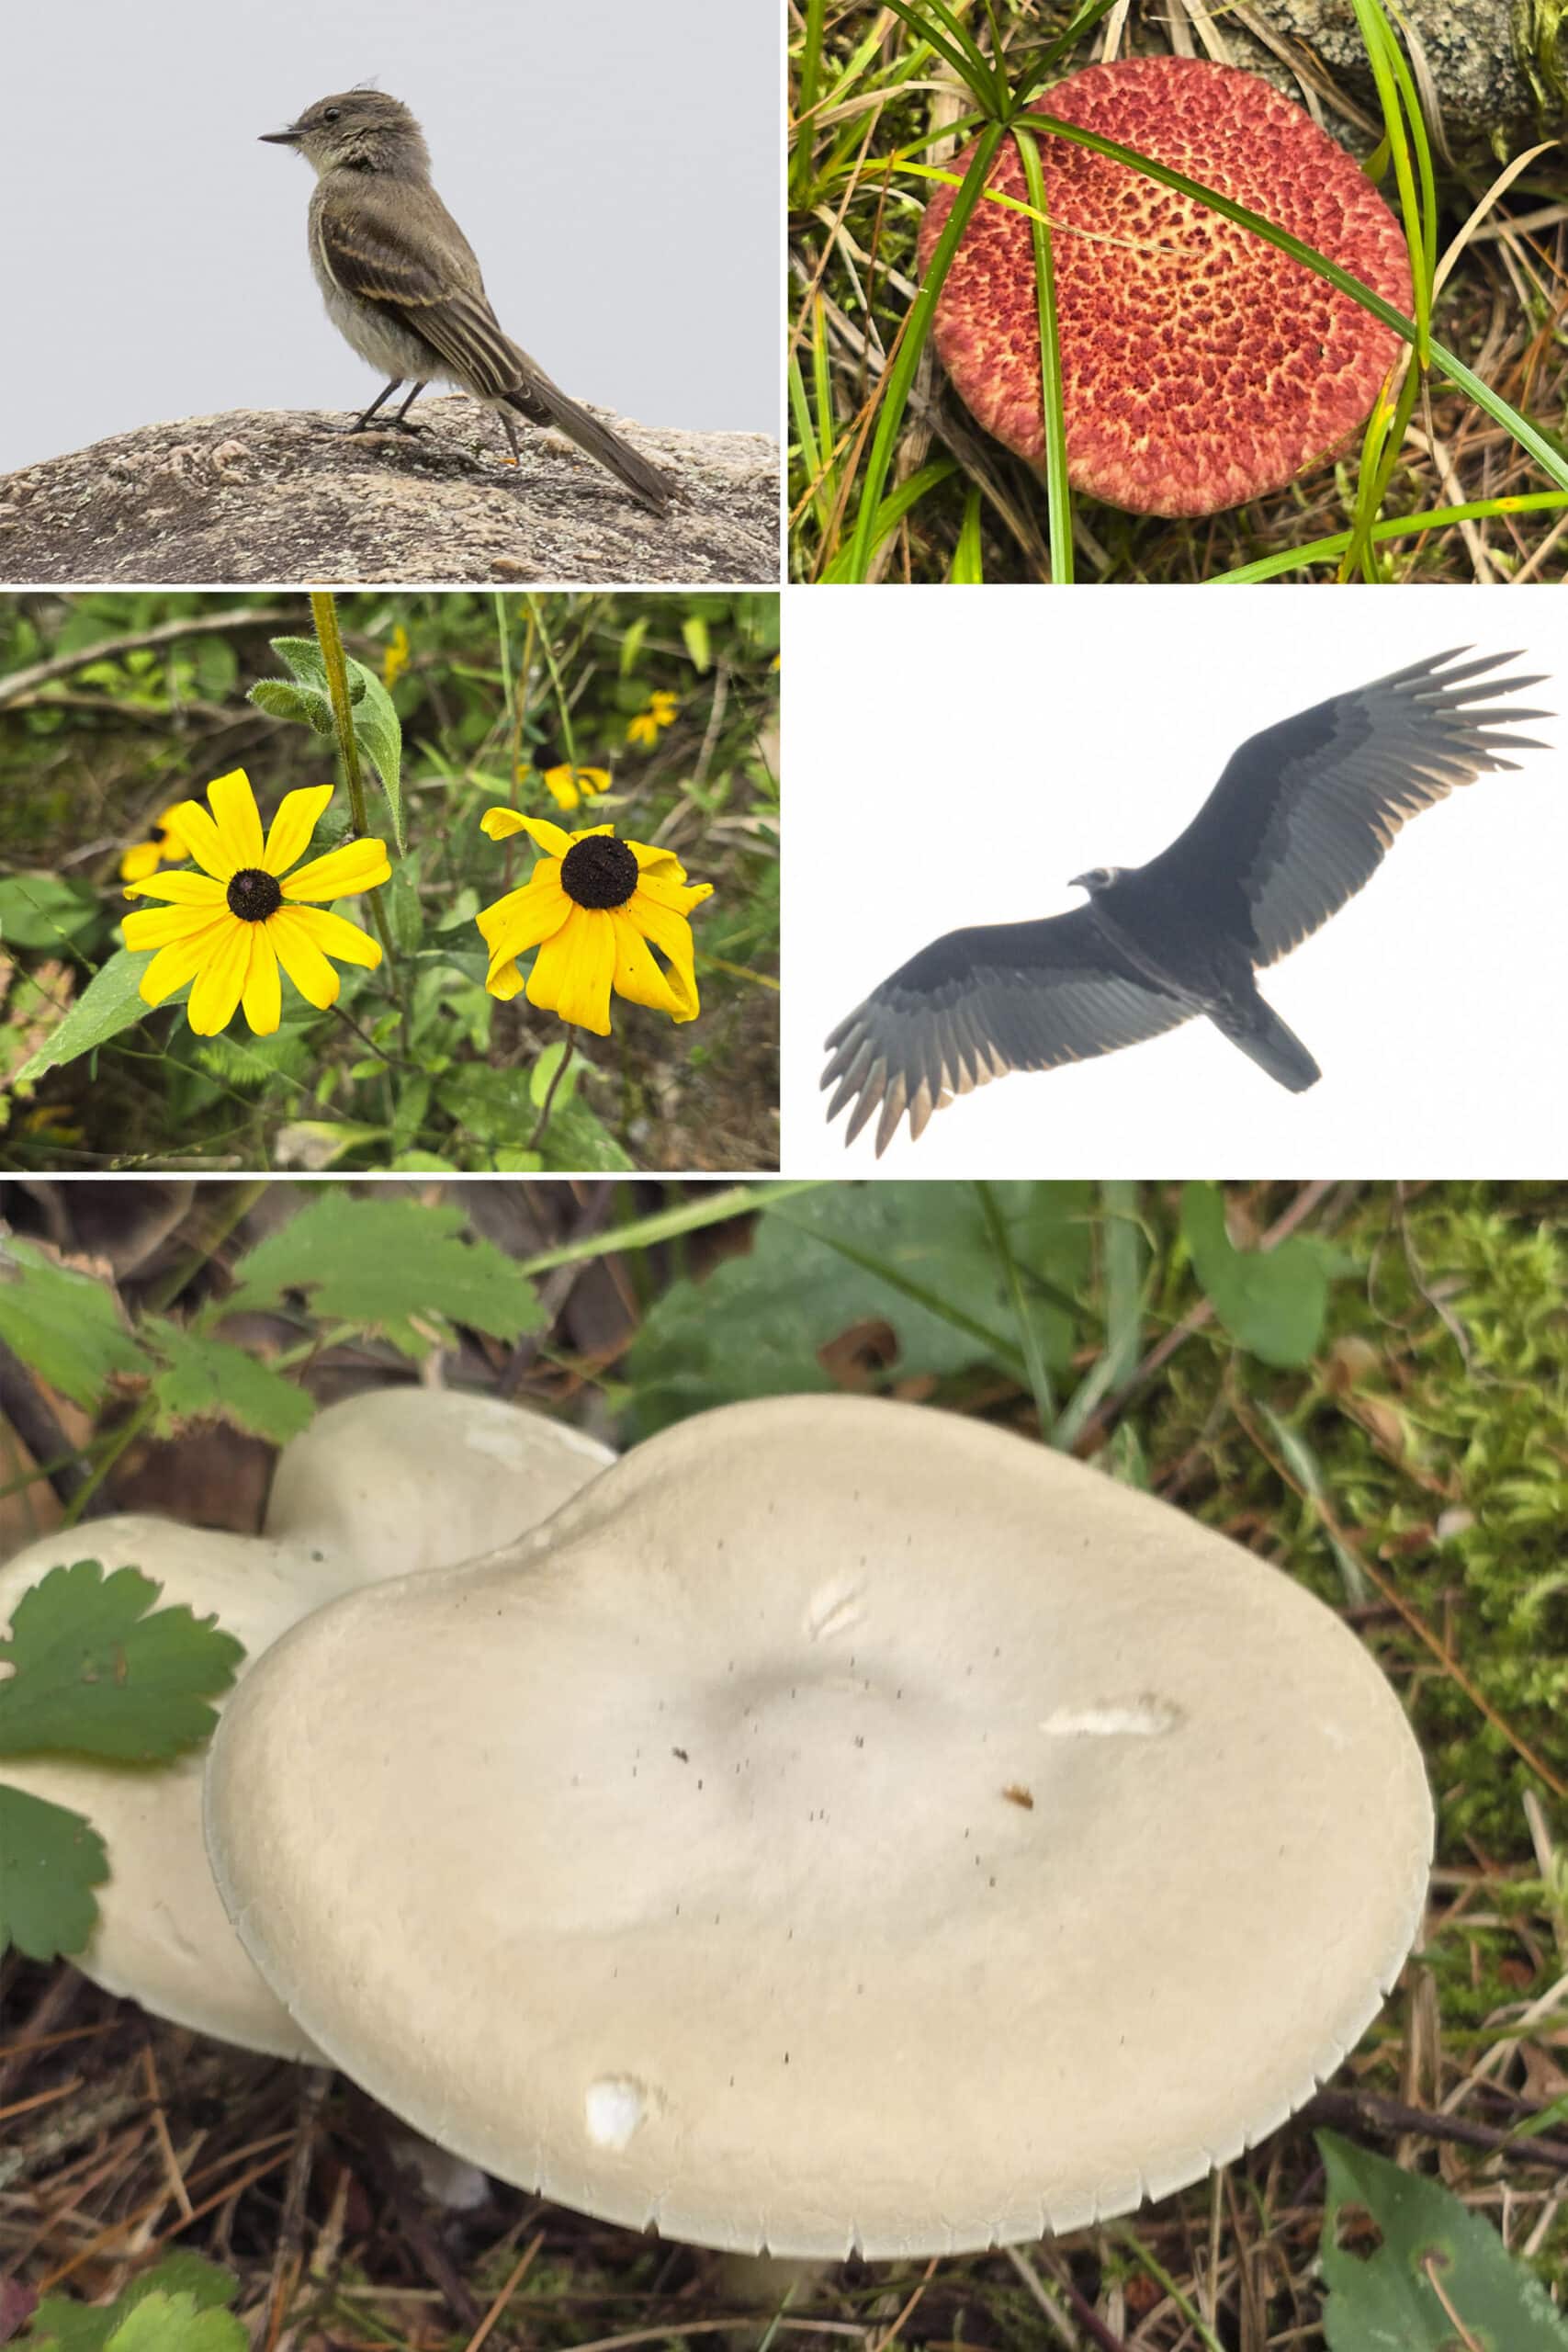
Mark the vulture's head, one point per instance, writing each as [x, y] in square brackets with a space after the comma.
[1098, 877]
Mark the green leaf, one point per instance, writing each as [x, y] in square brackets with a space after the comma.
[376, 727]
[50, 1861]
[576, 1138]
[915, 1257]
[64, 1326]
[97, 1670]
[172, 2323]
[206, 1380]
[694, 636]
[279, 699]
[404, 914]
[184, 2279]
[1390, 2298]
[41, 910]
[110, 1001]
[386, 1265]
[1272, 1302]
[541, 1078]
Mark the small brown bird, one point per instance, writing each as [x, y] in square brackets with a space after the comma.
[402, 286]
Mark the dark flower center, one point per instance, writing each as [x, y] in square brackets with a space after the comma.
[599, 872]
[252, 895]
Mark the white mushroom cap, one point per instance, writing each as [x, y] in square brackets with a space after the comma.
[392, 1481]
[400, 1479]
[845, 1826]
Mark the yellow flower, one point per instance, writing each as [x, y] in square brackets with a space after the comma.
[228, 928]
[145, 857]
[593, 907]
[567, 785]
[395, 660]
[645, 726]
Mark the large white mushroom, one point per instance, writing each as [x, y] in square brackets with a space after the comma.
[386, 1483]
[843, 1826]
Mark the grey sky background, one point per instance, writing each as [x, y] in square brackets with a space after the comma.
[615, 165]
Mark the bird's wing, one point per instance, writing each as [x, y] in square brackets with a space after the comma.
[1304, 811]
[378, 251]
[977, 1003]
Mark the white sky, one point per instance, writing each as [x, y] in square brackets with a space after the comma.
[954, 759]
[615, 165]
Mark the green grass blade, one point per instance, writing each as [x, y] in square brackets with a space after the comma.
[911, 342]
[891, 512]
[1395, 527]
[1028, 1331]
[968, 564]
[1083, 20]
[960, 49]
[1059, 490]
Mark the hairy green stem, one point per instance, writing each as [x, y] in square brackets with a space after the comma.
[329, 637]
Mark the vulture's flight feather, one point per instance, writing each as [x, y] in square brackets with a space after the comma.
[1297, 824]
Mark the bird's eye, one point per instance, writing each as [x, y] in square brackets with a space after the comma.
[331, 113]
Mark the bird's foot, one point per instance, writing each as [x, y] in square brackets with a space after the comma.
[377, 424]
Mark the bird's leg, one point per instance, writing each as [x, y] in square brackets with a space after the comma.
[392, 424]
[401, 418]
[512, 435]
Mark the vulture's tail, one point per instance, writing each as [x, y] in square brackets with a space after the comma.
[1258, 1029]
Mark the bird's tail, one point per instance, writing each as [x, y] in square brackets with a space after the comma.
[1258, 1029]
[543, 402]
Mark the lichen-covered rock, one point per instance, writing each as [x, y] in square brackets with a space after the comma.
[273, 495]
[1498, 67]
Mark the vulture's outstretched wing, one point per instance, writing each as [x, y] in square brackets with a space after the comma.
[1304, 811]
[977, 1003]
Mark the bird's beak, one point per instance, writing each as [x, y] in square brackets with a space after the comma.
[281, 138]
[1079, 882]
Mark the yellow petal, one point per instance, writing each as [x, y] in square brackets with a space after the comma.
[573, 970]
[336, 937]
[179, 961]
[671, 935]
[219, 984]
[637, 976]
[496, 918]
[657, 861]
[201, 838]
[156, 926]
[503, 979]
[302, 959]
[562, 789]
[288, 836]
[263, 998]
[143, 859]
[233, 806]
[181, 889]
[342, 874]
[497, 822]
[593, 832]
[516, 923]
[594, 779]
[676, 898]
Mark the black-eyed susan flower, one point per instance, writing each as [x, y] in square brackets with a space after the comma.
[569, 787]
[593, 906]
[395, 660]
[229, 928]
[145, 857]
[648, 725]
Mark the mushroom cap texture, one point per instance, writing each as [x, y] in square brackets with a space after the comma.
[1201, 366]
[366, 1492]
[846, 1825]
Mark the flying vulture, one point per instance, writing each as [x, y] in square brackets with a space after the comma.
[1297, 824]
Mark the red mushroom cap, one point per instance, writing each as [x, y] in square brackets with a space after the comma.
[1200, 365]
